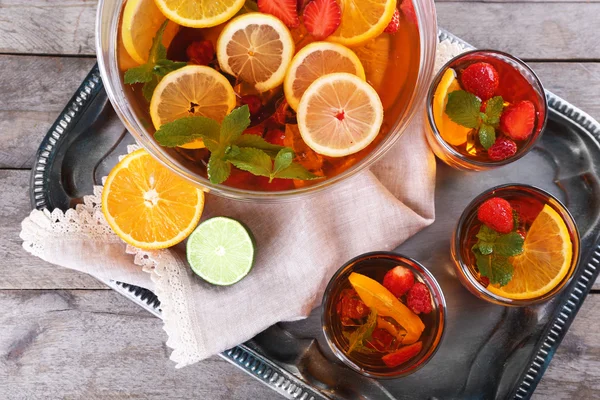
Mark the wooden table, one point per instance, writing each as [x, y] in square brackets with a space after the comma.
[65, 335]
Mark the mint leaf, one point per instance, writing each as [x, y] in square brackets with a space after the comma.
[257, 142]
[255, 161]
[148, 88]
[158, 50]
[486, 237]
[493, 110]
[296, 171]
[282, 161]
[186, 130]
[497, 268]
[363, 332]
[487, 136]
[218, 169]
[163, 67]
[140, 74]
[509, 245]
[463, 108]
[234, 124]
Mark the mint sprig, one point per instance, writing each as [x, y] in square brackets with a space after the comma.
[364, 331]
[493, 251]
[155, 68]
[464, 109]
[229, 146]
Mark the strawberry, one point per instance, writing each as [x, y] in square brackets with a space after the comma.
[253, 102]
[381, 340]
[502, 149]
[322, 18]
[394, 23]
[496, 214]
[418, 299]
[350, 306]
[485, 281]
[481, 79]
[398, 280]
[409, 11]
[403, 355]
[518, 120]
[275, 136]
[200, 52]
[285, 10]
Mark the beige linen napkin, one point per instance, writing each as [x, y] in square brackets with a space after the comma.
[300, 245]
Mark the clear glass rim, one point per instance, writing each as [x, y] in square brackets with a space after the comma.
[538, 87]
[459, 231]
[439, 301]
[106, 50]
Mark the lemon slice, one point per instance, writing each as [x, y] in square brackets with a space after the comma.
[256, 48]
[362, 20]
[199, 13]
[450, 131]
[545, 261]
[141, 21]
[147, 205]
[315, 60]
[339, 114]
[191, 91]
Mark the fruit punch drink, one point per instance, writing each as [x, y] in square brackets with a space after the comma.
[485, 109]
[515, 245]
[268, 95]
[383, 315]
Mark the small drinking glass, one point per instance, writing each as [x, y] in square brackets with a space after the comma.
[527, 202]
[375, 265]
[517, 82]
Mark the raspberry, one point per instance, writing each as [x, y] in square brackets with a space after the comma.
[394, 23]
[403, 355]
[518, 120]
[253, 102]
[201, 52]
[481, 79]
[496, 214]
[502, 149]
[398, 280]
[418, 299]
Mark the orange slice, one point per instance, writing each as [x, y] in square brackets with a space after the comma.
[450, 131]
[545, 261]
[149, 206]
[257, 49]
[199, 13]
[362, 20]
[376, 296]
[339, 114]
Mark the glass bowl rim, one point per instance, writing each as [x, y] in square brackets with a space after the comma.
[575, 263]
[484, 164]
[109, 71]
[439, 300]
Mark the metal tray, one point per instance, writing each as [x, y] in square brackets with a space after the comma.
[488, 351]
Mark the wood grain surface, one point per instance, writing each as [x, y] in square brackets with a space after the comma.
[64, 335]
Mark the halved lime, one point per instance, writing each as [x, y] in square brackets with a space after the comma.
[221, 251]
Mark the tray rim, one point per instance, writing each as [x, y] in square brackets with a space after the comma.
[261, 367]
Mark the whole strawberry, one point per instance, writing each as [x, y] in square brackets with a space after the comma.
[481, 79]
[418, 299]
[394, 23]
[518, 120]
[496, 214]
[398, 280]
[502, 149]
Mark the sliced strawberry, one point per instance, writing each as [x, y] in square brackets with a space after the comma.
[200, 52]
[403, 355]
[518, 120]
[394, 23]
[409, 11]
[275, 136]
[381, 340]
[322, 18]
[398, 280]
[285, 10]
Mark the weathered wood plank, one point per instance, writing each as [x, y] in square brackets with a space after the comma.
[97, 344]
[19, 269]
[527, 30]
[537, 29]
[34, 92]
[79, 344]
